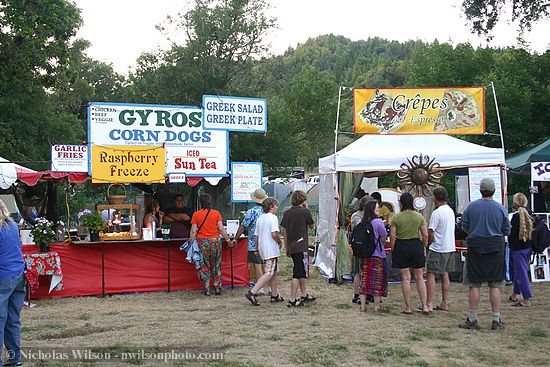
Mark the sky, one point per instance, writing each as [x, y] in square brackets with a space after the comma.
[120, 30]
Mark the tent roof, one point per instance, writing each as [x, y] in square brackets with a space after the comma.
[387, 152]
[10, 172]
[537, 153]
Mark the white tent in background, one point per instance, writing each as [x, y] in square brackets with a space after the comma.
[386, 153]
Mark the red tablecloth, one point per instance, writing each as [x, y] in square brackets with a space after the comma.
[43, 263]
[135, 266]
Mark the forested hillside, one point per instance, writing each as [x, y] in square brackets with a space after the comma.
[47, 80]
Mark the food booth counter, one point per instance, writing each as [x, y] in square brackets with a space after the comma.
[99, 268]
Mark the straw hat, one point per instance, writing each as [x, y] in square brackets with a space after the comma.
[258, 196]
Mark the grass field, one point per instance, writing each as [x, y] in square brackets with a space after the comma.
[329, 332]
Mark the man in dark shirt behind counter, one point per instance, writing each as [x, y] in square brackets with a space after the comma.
[179, 218]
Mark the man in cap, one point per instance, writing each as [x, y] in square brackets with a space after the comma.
[486, 223]
[249, 222]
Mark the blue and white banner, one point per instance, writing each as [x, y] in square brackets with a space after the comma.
[234, 113]
[540, 171]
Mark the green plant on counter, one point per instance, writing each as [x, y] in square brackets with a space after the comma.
[44, 231]
[92, 221]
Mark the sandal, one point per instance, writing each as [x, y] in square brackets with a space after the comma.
[519, 304]
[307, 298]
[277, 298]
[252, 298]
[295, 303]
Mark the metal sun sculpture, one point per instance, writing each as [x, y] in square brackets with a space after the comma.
[419, 175]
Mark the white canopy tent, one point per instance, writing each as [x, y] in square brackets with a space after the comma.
[376, 153]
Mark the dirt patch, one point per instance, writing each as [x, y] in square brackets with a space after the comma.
[328, 332]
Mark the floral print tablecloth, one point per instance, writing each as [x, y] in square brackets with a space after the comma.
[45, 263]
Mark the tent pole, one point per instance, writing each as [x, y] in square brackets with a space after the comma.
[505, 173]
[498, 117]
[337, 122]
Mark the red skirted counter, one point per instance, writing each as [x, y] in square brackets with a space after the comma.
[134, 266]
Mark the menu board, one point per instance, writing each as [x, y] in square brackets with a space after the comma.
[246, 177]
[476, 174]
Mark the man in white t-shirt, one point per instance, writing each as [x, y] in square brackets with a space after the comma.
[268, 246]
[441, 255]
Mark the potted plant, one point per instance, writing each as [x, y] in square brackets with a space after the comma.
[44, 233]
[93, 222]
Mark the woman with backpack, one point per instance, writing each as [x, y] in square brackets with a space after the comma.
[373, 274]
[520, 245]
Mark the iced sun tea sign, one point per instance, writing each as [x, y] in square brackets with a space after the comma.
[190, 149]
[69, 158]
[234, 113]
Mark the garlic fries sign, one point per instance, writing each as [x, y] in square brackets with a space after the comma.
[449, 110]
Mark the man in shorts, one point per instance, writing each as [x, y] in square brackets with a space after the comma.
[441, 253]
[249, 222]
[296, 222]
[486, 223]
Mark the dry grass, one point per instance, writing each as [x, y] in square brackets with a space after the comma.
[329, 332]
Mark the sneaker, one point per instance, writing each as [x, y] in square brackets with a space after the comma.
[277, 298]
[356, 300]
[295, 303]
[261, 292]
[497, 325]
[472, 325]
[252, 298]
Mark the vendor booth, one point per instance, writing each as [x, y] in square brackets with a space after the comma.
[376, 155]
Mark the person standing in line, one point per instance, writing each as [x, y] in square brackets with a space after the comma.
[441, 253]
[355, 219]
[12, 287]
[179, 218]
[249, 222]
[206, 227]
[408, 250]
[384, 211]
[269, 244]
[520, 244]
[295, 224]
[486, 223]
[373, 270]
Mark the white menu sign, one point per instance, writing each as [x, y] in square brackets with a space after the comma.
[69, 158]
[234, 113]
[476, 174]
[246, 177]
[190, 149]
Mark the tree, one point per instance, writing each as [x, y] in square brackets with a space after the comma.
[34, 47]
[222, 41]
[485, 14]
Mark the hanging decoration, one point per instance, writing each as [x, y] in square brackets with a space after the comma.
[419, 175]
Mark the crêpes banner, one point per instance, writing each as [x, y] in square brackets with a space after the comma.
[452, 110]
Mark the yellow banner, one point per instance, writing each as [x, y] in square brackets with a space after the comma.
[127, 164]
[419, 111]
